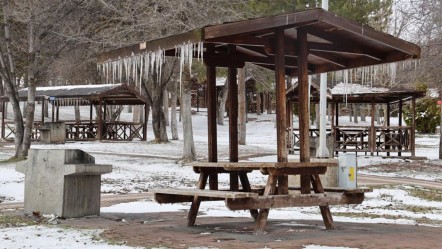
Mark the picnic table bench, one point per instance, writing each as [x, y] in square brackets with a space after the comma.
[260, 200]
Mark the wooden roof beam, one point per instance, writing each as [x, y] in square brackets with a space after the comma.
[370, 33]
[165, 43]
[340, 42]
[289, 20]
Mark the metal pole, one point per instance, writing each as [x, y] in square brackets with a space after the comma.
[322, 148]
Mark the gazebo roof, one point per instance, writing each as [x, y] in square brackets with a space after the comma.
[334, 43]
[112, 94]
[377, 97]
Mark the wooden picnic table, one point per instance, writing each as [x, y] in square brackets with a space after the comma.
[260, 200]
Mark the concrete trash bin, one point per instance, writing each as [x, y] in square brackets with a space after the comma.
[66, 183]
[53, 133]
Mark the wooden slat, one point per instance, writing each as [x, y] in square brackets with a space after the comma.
[169, 198]
[258, 165]
[320, 170]
[341, 190]
[301, 200]
[205, 193]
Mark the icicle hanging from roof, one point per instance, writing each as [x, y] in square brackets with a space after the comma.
[137, 68]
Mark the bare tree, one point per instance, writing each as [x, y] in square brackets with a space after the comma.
[30, 28]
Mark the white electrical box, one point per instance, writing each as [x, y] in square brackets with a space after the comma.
[347, 172]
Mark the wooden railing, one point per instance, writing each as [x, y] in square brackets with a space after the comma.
[125, 131]
[366, 139]
[87, 130]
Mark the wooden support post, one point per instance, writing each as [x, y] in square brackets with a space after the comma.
[145, 122]
[53, 111]
[90, 113]
[211, 109]
[261, 221]
[400, 124]
[246, 187]
[337, 123]
[42, 111]
[413, 127]
[303, 97]
[100, 130]
[233, 119]
[3, 119]
[211, 116]
[332, 130]
[281, 116]
[325, 210]
[388, 136]
[372, 131]
[193, 212]
[58, 113]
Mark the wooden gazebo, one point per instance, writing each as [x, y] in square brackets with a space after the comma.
[296, 44]
[85, 95]
[381, 138]
[385, 139]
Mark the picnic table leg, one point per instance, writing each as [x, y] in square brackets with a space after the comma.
[246, 187]
[264, 213]
[213, 181]
[325, 210]
[191, 217]
[234, 184]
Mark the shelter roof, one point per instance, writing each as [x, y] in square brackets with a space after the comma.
[292, 92]
[377, 97]
[113, 94]
[334, 42]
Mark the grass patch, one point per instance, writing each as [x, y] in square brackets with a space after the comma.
[426, 194]
[15, 221]
[13, 160]
[367, 215]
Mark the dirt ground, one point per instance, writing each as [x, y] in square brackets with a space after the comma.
[170, 230]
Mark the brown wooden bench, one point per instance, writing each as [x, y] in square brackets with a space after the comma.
[259, 201]
[187, 195]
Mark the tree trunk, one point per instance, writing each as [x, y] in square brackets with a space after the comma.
[377, 116]
[317, 116]
[350, 112]
[242, 116]
[46, 109]
[222, 103]
[30, 110]
[264, 102]
[18, 118]
[355, 112]
[258, 104]
[186, 106]
[362, 113]
[166, 106]
[173, 120]
[77, 113]
[269, 103]
[158, 119]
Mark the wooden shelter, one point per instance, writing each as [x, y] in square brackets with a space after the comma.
[296, 44]
[376, 139]
[371, 139]
[85, 95]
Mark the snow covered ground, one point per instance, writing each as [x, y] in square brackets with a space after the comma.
[139, 166]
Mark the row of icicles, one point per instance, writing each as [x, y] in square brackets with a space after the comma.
[376, 75]
[136, 68]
